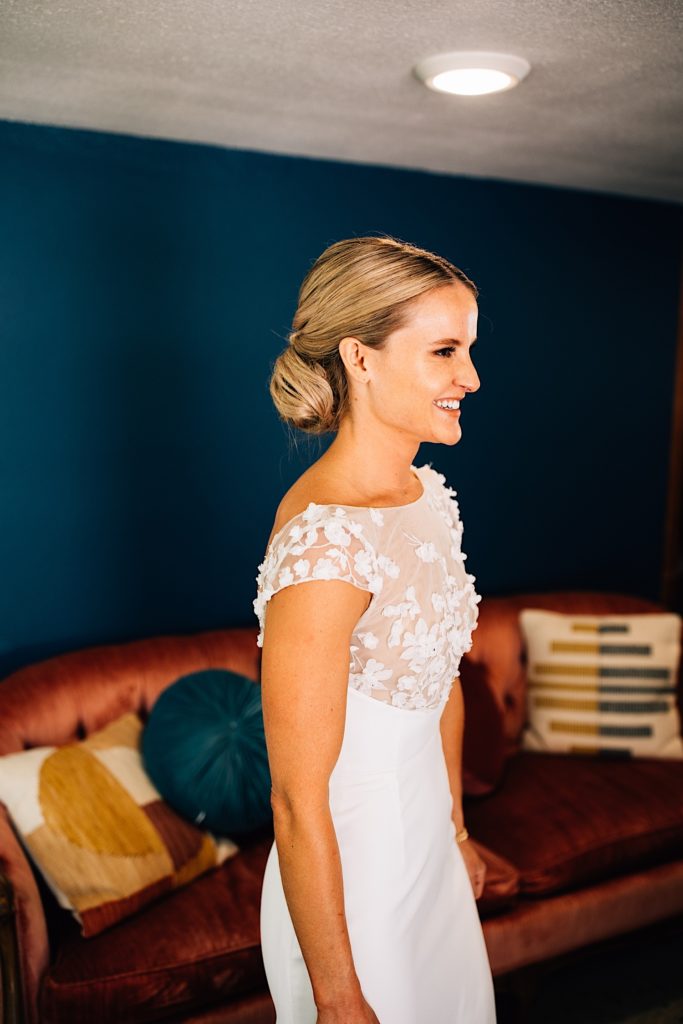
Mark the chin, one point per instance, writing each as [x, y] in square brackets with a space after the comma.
[452, 436]
[444, 438]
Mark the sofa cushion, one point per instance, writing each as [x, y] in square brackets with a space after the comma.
[96, 828]
[565, 821]
[197, 945]
[602, 685]
[501, 882]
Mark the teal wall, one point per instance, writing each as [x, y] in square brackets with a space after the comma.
[148, 285]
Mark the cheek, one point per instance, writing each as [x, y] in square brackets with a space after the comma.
[406, 382]
[401, 381]
[438, 369]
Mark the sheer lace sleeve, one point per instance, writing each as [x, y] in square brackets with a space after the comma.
[321, 543]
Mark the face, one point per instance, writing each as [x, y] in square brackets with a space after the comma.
[425, 361]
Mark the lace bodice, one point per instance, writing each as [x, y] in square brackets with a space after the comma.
[406, 647]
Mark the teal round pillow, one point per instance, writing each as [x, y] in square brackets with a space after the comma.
[204, 748]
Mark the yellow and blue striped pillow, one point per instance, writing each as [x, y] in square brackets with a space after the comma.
[603, 685]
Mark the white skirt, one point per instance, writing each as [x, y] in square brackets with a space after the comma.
[416, 937]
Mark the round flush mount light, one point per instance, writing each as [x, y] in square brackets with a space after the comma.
[471, 72]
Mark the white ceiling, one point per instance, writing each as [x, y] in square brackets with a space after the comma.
[602, 107]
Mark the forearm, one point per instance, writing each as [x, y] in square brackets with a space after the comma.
[310, 867]
[452, 726]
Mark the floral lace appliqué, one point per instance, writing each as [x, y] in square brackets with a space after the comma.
[334, 547]
[407, 646]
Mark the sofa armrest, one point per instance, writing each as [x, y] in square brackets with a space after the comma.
[10, 976]
[24, 945]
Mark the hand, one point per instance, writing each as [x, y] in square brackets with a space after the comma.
[476, 867]
[362, 1013]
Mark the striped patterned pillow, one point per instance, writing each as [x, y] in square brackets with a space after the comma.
[97, 829]
[603, 685]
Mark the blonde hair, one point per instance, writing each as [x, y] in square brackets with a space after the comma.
[358, 287]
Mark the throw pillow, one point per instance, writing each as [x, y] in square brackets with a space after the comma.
[603, 685]
[97, 829]
[204, 748]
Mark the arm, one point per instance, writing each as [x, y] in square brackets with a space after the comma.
[452, 725]
[304, 680]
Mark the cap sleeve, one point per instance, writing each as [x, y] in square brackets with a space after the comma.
[321, 543]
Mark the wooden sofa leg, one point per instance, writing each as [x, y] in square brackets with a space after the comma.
[11, 1007]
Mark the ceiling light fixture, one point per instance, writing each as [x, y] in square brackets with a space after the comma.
[471, 72]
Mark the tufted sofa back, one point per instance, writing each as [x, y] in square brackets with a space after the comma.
[70, 695]
[66, 697]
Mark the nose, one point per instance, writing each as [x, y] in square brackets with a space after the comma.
[467, 378]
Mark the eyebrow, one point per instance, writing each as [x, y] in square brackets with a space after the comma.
[457, 341]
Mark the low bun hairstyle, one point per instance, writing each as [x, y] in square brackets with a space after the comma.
[358, 287]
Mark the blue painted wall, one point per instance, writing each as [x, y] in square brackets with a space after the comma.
[148, 285]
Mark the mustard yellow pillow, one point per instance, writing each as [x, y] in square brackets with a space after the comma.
[97, 829]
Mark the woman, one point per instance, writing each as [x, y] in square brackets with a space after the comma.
[368, 908]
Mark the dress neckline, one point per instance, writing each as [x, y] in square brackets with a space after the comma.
[338, 504]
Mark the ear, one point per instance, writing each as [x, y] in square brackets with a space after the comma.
[354, 355]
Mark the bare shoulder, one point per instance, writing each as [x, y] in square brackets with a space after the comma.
[311, 486]
[323, 486]
[348, 604]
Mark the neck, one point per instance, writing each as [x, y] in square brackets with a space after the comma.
[378, 464]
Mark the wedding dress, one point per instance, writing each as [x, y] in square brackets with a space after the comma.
[416, 937]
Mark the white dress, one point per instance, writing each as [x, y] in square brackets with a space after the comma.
[416, 937]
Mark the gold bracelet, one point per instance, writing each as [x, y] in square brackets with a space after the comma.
[461, 836]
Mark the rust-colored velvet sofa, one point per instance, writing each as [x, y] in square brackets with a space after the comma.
[577, 849]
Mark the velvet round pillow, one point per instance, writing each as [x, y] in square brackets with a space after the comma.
[204, 748]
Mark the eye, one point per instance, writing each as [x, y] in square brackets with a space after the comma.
[444, 353]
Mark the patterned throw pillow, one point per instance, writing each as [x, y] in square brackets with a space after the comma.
[97, 829]
[603, 685]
